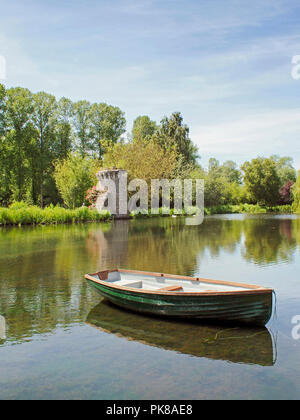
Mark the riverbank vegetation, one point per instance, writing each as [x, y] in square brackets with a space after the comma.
[51, 149]
[22, 214]
[296, 195]
[225, 209]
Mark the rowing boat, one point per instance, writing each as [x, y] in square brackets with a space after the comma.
[184, 297]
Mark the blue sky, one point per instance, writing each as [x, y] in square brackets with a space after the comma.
[226, 65]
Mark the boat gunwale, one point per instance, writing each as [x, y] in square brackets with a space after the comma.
[254, 288]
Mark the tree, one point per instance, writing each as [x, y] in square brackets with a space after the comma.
[214, 191]
[285, 193]
[74, 176]
[107, 125]
[44, 114]
[296, 194]
[19, 108]
[143, 128]
[2, 109]
[172, 133]
[231, 173]
[214, 167]
[228, 170]
[35, 130]
[285, 169]
[262, 180]
[63, 128]
[222, 183]
[5, 172]
[82, 125]
[4, 159]
[143, 160]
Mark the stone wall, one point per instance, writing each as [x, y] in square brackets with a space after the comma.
[119, 177]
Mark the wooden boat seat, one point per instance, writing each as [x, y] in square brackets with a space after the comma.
[103, 275]
[170, 289]
[126, 283]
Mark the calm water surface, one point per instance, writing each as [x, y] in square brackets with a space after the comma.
[59, 339]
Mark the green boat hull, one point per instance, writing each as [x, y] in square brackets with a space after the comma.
[248, 308]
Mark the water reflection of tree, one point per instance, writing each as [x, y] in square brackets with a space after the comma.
[41, 283]
[109, 247]
[296, 231]
[42, 269]
[269, 240]
[170, 246]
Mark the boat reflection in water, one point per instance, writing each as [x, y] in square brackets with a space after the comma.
[237, 344]
[2, 329]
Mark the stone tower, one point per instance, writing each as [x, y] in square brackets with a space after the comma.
[119, 178]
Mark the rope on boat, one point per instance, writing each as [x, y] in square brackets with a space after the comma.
[274, 336]
[274, 317]
[231, 338]
[275, 305]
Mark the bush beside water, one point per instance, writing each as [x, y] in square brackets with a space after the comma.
[247, 208]
[22, 214]
[223, 209]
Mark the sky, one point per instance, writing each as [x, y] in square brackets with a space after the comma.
[225, 65]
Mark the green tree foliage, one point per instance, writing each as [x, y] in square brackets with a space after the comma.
[143, 128]
[44, 120]
[231, 173]
[19, 108]
[262, 180]
[37, 133]
[82, 126]
[4, 171]
[107, 125]
[143, 160]
[228, 171]
[36, 130]
[173, 133]
[74, 176]
[2, 109]
[296, 194]
[214, 191]
[63, 128]
[285, 169]
[222, 183]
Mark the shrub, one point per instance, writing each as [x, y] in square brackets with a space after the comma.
[19, 214]
[73, 177]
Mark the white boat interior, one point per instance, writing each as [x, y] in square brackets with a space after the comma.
[165, 283]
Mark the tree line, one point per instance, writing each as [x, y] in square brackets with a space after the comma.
[37, 130]
[166, 151]
[51, 149]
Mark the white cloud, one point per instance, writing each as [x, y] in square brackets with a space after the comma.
[196, 61]
[266, 133]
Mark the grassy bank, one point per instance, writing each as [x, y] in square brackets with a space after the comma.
[247, 208]
[297, 210]
[226, 209]
[20, 214]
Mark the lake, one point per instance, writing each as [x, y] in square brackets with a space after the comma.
[60, 340]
